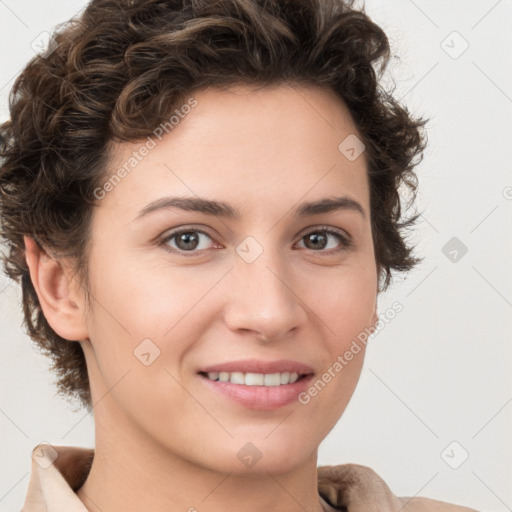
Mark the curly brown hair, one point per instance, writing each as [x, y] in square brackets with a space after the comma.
[115, 73]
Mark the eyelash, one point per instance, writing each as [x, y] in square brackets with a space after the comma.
[324, 230]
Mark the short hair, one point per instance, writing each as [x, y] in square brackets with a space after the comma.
[117, 71]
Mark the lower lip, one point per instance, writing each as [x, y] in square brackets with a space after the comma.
[263, 398]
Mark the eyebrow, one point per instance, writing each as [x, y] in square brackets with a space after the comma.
[221, 209]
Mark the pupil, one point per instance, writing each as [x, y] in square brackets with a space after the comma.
[187, 239]
[315, 238]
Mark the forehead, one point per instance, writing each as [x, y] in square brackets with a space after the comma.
[245, 142]
[254, 114]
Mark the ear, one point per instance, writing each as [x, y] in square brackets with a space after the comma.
[58, 292]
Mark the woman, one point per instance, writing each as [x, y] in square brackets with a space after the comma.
[201, 202]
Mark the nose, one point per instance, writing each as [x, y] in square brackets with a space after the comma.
[263, 300]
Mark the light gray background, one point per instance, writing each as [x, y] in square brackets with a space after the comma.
[440, 371]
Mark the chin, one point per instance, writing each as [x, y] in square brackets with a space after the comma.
[262, 456]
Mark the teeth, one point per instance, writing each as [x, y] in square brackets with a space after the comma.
[237, 378]
[272, 379]
[255, 379]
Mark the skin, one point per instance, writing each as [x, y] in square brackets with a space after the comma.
[159, 427]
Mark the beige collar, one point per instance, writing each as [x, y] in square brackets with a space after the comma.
[59, 471]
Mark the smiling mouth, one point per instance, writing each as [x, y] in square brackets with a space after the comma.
[255, 379]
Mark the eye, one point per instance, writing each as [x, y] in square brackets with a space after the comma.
[193, 241]
[186, 240]
[318, 240]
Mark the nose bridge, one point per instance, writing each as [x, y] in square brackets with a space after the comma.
[263, 300]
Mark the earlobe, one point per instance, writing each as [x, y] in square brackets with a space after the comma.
[56, 292]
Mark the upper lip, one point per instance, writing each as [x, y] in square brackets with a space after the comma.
[259, 366]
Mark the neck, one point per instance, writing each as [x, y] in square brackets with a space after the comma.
[132, 473]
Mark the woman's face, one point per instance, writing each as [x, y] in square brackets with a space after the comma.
[260, 285]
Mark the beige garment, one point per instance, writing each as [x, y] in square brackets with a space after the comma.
[59, 471]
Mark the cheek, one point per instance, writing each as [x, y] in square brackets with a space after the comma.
[344, 299]
[142, 322]
[350, 314]
[148, 297]
[145, 307]
[344, 306]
